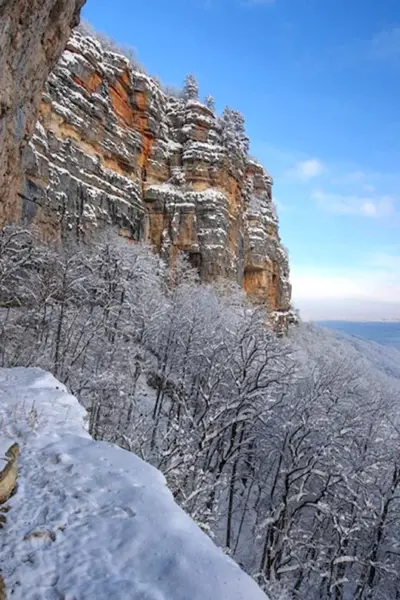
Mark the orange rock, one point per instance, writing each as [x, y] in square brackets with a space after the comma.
[91, 84]
[120, 151]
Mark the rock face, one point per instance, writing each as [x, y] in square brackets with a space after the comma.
[33, 34]
[112, 148]
[9, 474]
[3, 594]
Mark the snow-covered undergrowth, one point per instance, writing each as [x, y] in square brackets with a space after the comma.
[92, 521]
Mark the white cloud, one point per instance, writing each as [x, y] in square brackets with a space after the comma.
[357, 179]
[322, 286]
[369, 188]
[283, 206]
[364, 294]
[307, 169]
[369, 209]
[348, 310]
[356, 176]
[366, 206]
[385, 45]
[387, 261]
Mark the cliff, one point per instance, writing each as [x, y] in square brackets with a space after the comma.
[111, 147]
[33, 33]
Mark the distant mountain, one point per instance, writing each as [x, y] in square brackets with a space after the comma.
[377, 342]
[382, 332]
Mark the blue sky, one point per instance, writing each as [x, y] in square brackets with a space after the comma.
[318, 82]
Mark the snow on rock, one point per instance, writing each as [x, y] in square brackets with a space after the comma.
[93, 521]
[113, 148]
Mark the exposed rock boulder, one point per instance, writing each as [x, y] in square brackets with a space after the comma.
[9, 474]
[33, 33]
[3, 593]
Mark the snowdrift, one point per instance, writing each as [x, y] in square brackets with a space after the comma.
[91, 521]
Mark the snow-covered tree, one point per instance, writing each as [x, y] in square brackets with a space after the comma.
[233, 132]
[210, 103]
[285, 450]
[191, 88]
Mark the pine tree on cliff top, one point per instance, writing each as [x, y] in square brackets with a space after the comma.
[191, 88]
[233, 131]
[210, 103]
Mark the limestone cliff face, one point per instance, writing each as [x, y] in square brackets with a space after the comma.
[33, 34]
[111, 147]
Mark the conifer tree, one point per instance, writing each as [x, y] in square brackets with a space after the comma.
[191, 88]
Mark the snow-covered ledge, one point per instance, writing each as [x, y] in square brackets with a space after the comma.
[91, 521]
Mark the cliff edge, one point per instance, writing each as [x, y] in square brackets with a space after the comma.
[111, 147]
[90, 520]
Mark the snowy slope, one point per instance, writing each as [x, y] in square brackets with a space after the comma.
[385, 358]
[91, 521]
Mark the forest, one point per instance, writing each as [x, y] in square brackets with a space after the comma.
[285, 450]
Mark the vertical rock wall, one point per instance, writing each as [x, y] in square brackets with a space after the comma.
[33, 33]
[111, 148]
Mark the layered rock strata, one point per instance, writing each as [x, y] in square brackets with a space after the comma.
[111, 148]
